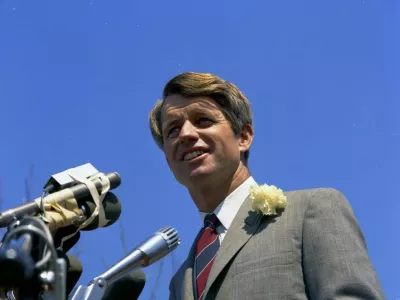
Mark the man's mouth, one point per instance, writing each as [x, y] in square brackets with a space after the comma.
[192, 155]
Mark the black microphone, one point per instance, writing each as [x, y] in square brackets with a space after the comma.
[128, 287]
[79, 191]
[74, 271]
[112, 211]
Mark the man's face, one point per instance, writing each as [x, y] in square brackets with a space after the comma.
[199, 143]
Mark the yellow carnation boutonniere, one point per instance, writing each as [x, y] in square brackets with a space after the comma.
[267, 198]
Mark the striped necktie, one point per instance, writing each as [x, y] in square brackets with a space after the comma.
[207, 247]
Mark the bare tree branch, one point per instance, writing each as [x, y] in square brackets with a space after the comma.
[157, 283]
[122, 237]
[78, 249]
[2, 230]
[103, 261]
[1, 196]
[28, 184]
[174, 263]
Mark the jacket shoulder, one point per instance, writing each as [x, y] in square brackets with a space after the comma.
[312, 195]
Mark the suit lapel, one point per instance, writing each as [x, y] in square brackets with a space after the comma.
[242, 228]
[187, 292]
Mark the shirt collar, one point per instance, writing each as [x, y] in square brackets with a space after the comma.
[228, 208]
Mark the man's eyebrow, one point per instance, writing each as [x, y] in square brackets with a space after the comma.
[174, 118]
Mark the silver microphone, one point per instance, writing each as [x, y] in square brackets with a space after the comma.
[151, 250]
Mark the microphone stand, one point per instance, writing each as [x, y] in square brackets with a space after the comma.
[29, 263]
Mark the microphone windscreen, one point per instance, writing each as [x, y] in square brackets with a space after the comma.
[74, 272]
[112, 211]
[128, 287]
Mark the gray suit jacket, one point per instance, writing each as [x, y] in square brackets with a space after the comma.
[314, 249]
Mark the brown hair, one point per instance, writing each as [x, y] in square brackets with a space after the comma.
[233, 102]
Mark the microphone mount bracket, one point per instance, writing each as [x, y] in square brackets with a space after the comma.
[94, 291]
[34, 270]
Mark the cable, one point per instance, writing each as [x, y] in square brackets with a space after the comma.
[42, 202]
[46, 236]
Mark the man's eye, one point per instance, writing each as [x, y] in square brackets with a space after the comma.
[204, 121]
[173, 131]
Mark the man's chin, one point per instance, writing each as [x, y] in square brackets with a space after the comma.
[201, 172]
[199, 177]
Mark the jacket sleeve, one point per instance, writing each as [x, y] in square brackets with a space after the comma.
[336, 264]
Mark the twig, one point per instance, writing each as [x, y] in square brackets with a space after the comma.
[77, 250]
[1, 197]
[173, 263]
[2, 230]
[156, 284]
[103, 261]
[122, 237]
[28, 183]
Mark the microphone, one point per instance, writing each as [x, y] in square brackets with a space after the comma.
[151, 250]
[80, 192]
[154, 248]
[127, 287]
[112, 211]
[74, 271]
[55, 220]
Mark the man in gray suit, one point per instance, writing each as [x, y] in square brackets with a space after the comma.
[312, 248]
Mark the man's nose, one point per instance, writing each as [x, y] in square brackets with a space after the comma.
[188, 132]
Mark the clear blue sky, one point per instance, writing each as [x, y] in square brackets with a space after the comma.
[78, 78]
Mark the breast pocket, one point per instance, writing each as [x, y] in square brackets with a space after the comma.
[274, 276]
[252, 263]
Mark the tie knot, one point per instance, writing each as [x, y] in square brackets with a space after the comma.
[211, 220]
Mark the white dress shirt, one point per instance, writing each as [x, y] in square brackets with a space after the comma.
[228, 208]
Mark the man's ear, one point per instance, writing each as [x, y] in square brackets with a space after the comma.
[245, 138]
